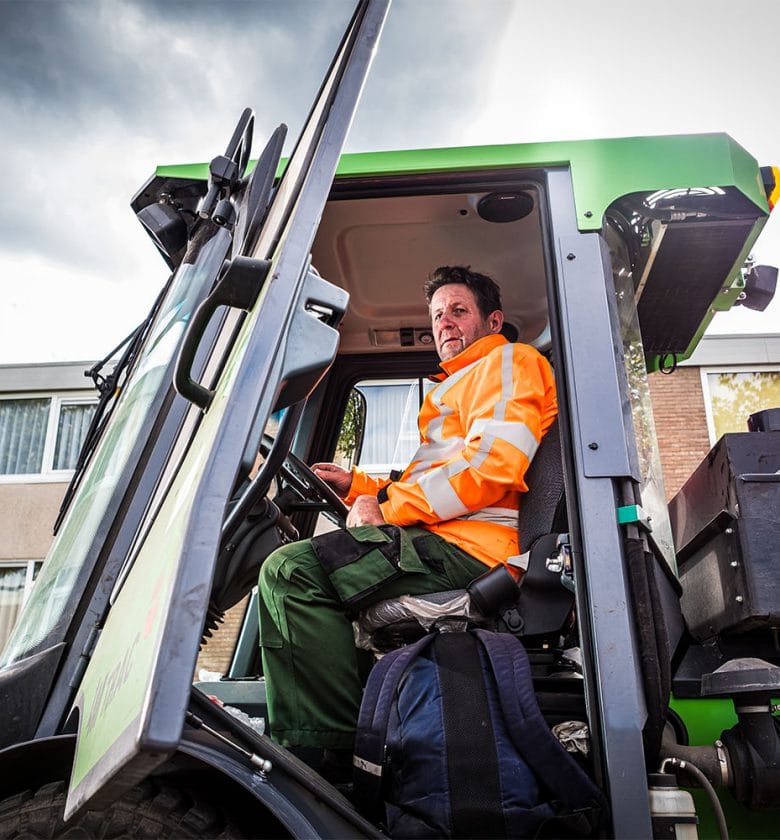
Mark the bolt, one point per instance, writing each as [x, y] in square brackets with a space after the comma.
[588, 214]
[554, 564]
[734, 564]
[570, 256]
[739, 599]
[729, 531]
[593, 445]
[262, 764]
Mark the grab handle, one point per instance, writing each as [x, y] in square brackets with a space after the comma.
[238, 288]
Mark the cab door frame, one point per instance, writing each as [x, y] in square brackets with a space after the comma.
[601, 459]
[133, 697]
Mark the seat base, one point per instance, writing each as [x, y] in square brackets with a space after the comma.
[399, 621]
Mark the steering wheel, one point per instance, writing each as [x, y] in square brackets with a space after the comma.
[254, 526]
[311, 492]
[315, 494]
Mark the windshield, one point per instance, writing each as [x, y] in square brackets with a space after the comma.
[51, 599]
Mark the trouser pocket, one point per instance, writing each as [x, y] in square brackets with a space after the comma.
[360, 561]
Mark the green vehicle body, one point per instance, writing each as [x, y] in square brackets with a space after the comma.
[126, 694]
[602, 171]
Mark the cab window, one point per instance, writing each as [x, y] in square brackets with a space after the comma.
[379, 430]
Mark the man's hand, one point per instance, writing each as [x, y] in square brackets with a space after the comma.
[335, 476]
[365, 511]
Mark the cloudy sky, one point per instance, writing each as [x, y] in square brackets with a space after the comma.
[95, 93]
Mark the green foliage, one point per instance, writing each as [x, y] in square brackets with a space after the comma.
[734, 396]
[351, 426]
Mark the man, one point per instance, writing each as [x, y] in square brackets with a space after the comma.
[451, 515]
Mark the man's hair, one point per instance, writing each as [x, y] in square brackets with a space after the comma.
[486, 291]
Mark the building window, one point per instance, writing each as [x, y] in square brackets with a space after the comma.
[733, 394]
[16, 582]
[42, 435]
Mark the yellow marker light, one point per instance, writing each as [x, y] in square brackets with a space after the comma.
[771, 178]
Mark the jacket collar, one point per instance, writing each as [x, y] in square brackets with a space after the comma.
[475, 351]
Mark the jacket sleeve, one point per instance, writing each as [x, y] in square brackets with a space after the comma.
[503, 415]
[363, 485]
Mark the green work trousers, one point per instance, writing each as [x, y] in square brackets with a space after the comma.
[310, 662]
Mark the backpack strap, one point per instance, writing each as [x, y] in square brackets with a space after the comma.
[369, 754]
[476, 801]
[553, 766]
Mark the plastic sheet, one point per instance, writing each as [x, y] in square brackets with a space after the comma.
[411, 608]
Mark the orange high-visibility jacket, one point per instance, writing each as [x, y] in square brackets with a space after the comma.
[479, 429]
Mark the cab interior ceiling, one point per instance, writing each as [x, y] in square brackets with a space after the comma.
[381, 249]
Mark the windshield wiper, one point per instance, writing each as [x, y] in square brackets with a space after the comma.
[109, 387]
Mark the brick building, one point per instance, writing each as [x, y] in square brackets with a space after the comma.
[678, 404]
[728, 378]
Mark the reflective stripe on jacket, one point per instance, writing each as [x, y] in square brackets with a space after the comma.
[479, 429]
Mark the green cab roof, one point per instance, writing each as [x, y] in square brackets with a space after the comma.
[602, 170]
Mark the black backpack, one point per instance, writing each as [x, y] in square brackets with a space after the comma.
[451, 743]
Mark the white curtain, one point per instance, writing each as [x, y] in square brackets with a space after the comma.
[23, 435]
[73, 423]
[12, 582]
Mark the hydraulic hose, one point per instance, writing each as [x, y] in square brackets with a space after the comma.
[687, 767]
[713, 761]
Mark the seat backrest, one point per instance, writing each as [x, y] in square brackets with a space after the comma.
[542, 507]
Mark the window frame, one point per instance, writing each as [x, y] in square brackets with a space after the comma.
[29, 578]
[57, 399]
[705, 371]
[29, 565]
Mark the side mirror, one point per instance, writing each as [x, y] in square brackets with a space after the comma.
[760, 286]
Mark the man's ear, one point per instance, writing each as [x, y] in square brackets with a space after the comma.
[495, 321]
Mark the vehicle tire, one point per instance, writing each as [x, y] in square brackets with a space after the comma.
[150, 810]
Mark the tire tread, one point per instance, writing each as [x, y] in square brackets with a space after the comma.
[150, 810]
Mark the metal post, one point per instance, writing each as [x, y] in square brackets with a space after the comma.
[592, 387]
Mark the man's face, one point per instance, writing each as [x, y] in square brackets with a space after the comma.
[457, 321]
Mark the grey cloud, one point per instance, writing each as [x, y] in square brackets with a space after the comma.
[91, 92]
[94, 94]
[428, 75]
[138, 58]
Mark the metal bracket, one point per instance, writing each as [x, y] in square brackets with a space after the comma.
[634, 515]
[561, 562]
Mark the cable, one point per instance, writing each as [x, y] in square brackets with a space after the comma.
[705, 783]
[667, 367]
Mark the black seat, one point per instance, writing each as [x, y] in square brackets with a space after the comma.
[543, 506]
[538, 601]
[544, 603]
